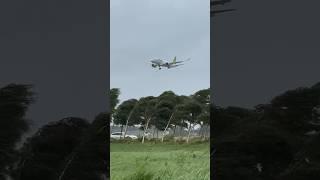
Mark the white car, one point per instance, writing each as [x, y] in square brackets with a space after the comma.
[117, 135]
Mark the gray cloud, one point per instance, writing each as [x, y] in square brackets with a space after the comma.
[263, 49]
[59, 46]
[146, 29]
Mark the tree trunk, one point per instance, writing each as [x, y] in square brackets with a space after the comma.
[174, 130]
[157, 134]
[207, 132]
[203, 135]
[129, 117]
[145, 130]
[189, 130]
[112, 127]
[165, 129]
[125, 131]
[121, 130]
[154, 131]
[200, 131]
[180, 134]
[66, 167]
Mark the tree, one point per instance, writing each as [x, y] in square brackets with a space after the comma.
[293, 109]
[124, 113]
[190, 110]
[204, 119]
[146, 110]
[90, 158]
[14, 102]
[166, 110]
[43, 154]
[203, 98]
[114, 95]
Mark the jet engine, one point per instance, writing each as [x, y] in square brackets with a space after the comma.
[153, 65]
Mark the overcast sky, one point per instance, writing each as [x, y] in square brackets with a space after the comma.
[263, 49]
[146, 29]
[59, 47]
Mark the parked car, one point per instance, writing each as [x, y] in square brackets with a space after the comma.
[117, 135]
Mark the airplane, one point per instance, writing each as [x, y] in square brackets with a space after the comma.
[160, 63]
[215, 3]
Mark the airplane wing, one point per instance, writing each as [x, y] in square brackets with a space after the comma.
[157, 61]
[183, 61]
[176, 65]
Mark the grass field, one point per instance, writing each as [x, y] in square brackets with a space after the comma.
[167, 161]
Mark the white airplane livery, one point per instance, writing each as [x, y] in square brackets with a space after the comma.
[161, 63]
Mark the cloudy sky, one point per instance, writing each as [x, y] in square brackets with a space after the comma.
[263, 49]
[146, 29]
[60, 47]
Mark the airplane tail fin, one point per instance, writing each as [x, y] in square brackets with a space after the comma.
[175, 59]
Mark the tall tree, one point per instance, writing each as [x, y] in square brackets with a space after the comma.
[89, 160]
[167, 109]
[191, 110]
[124, 113]
[293, 109]
[146, 111]
[203, 98]
[204, 120]
[14, 102]
[43, 154]
[114, 98]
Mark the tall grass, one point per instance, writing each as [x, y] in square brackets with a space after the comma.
[160, 161]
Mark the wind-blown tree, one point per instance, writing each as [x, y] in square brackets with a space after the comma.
[180, 119]
[146, 111]
[114, 98]
[43, 154]
[204, 119]
[293, 109]
[190, 110]
[90, 159]
[14, 102]
[166, 111]
[272, 137]
[203, 98]
[159, 120]
[124, 113]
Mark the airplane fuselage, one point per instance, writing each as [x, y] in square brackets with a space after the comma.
[160, 63]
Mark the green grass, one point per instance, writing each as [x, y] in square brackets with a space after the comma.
[166, 161]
